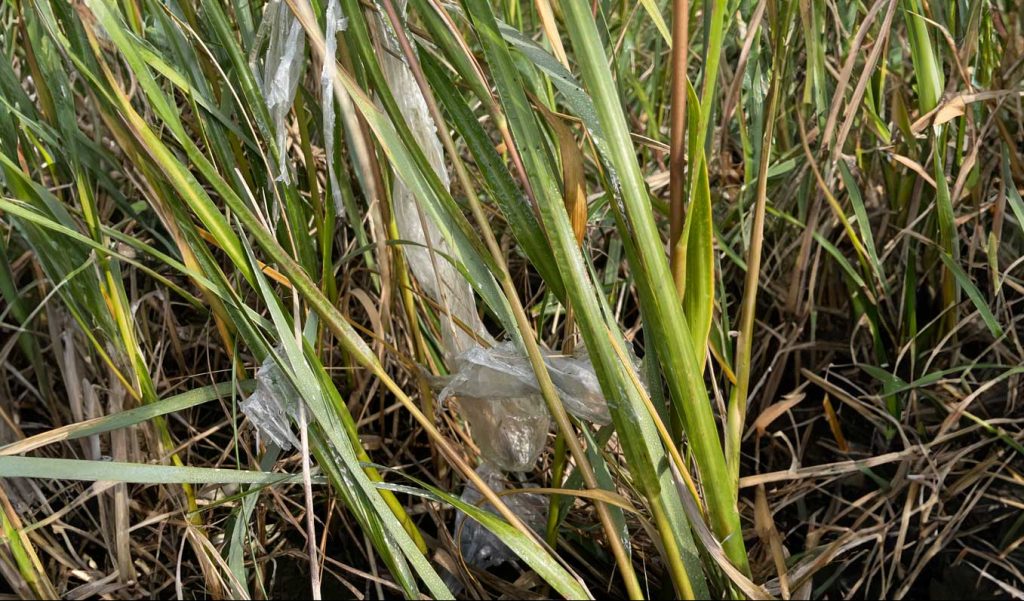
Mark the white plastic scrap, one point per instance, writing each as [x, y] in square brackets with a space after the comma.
[336, 21]
[282, 69]
[445, 284]
[482, 549]
[503, 368]
[273, 405]
[496, 387]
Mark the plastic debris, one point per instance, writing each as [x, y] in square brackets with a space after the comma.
[578, 387]
[509, 430]
[282, 69]
[440, 280]
[499, 395]
[273, 405]
[480, 373]
[496, 387]
[480, 548]
[335, 22]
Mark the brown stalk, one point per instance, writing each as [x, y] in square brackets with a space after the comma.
[677, 157]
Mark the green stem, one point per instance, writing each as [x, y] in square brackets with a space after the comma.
[675, 561]
[738, 401]
[677, 159]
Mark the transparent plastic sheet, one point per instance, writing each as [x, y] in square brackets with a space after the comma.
[445, 284]
[480, 373]
[496, 388]
[479, 547]
[335, 22]
[510, 431]
[272, 405]
[282, 68]
[499, 395]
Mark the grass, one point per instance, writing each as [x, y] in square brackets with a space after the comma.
[787, 234]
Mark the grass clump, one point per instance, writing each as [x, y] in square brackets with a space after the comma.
[784, 236]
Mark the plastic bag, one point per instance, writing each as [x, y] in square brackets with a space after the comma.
[500, 397]
[273, 405]
[504, 369]
[496, 387]
[479, 547]
[509, 430]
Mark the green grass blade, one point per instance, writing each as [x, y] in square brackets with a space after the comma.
[132, 473]
[628, 413]
[665, 319]
[980, 303]
[124, 419]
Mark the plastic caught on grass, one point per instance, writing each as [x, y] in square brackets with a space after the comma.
[480, 548]
[503, 368]
[445, 284]
[273, 405]
[282, 69]
[496, 387]
[335, 22]
[499, 395]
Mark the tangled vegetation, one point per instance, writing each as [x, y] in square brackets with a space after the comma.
[244, 246]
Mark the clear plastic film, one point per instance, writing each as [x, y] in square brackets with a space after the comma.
[282, 68]
[496, 387]
[273, 405]
[335, 22]
[481, 372]
[479, 547]
[499, 395]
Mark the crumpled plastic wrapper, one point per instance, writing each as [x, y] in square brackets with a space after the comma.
[480, 548]
[282, 69]
[499, 395]
[273, 405]
[509, 430]
[505, 369]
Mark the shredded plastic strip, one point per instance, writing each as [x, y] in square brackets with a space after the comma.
[282, 69]
[440, 280]
[335, 21]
